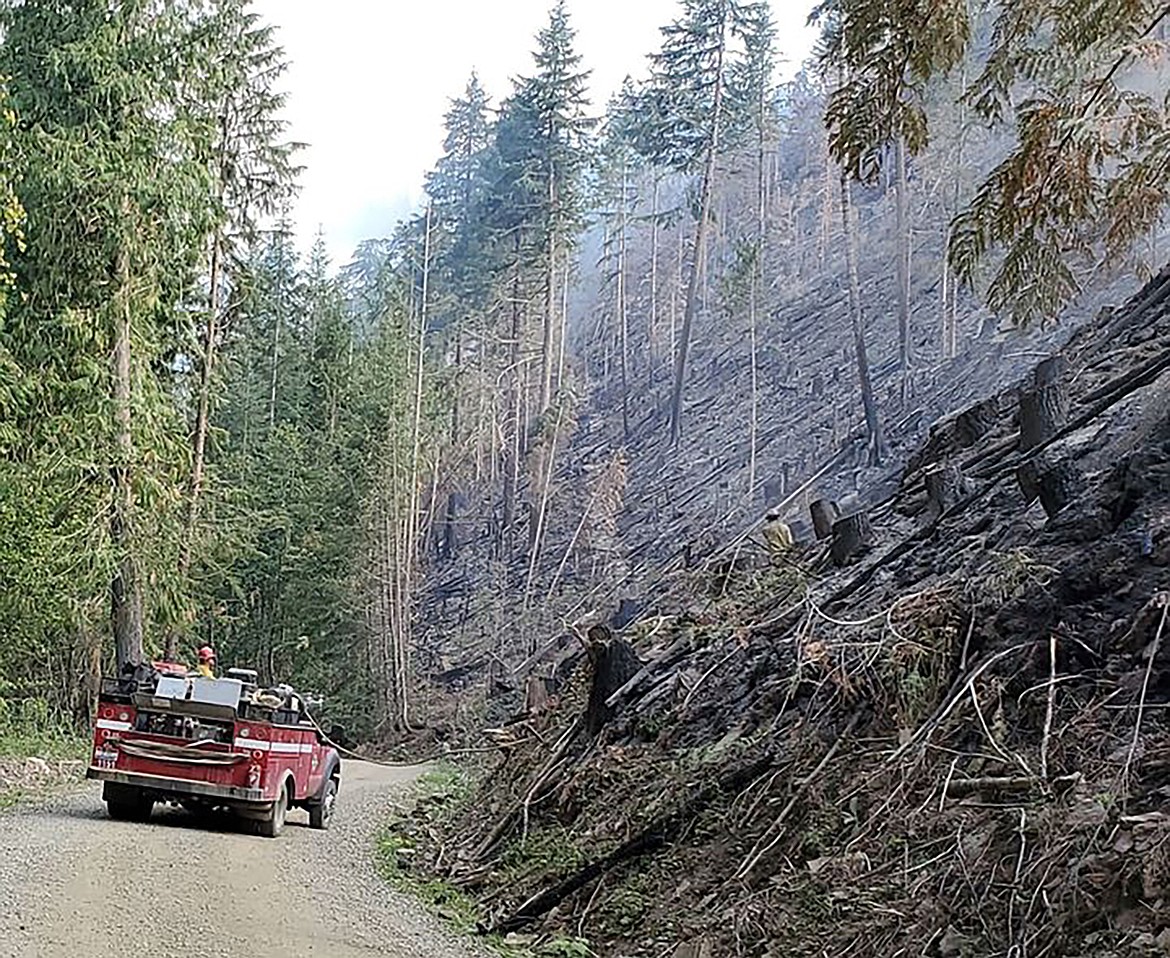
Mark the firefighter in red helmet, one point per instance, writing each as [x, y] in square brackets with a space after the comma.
[206, 666]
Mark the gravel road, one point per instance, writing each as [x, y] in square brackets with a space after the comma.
[74, 883]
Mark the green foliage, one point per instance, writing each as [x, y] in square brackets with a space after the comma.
[115, 236]
[31, 727]
[705, 83]
[1089, 174]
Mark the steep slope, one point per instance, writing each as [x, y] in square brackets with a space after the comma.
[956, 745]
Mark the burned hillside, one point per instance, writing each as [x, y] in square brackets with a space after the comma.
[954, 742]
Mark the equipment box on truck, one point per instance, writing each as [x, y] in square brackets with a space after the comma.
[210, 743]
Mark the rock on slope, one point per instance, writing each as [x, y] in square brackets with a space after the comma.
[958, 745]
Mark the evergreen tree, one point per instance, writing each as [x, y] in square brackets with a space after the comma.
[253, 173]
[456, 187]
[694, 109]
[98, 95]
[558, 153]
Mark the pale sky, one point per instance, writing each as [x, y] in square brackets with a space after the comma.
[370, 80]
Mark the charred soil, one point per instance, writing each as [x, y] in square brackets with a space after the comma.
[956, 744]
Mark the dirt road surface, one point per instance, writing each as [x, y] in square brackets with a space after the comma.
[73, 883]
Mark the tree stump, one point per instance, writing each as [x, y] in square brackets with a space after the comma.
[824, 514]
[535, 696]
[1028, 477]
[944, 487]
[1043, 404]
[975, 422]
[852, 536]
[614, 663]
[1059, 486]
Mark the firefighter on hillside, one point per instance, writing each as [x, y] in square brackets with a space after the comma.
[206, 666]
[778, 536]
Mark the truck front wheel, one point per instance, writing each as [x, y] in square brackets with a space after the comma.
[273, 823]
[321, 813]
[127, 804]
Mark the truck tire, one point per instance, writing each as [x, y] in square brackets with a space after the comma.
[127, 804]
[321, 813]
[273, 823]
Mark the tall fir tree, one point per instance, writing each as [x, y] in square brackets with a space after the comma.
[99, 98]
[557, 95]
[694, 110]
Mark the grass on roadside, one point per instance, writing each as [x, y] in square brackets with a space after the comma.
[436, 796]
[32, 741]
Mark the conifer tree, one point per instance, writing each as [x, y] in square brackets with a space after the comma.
[253, 172]
[556, 94]
[693, 110]
[98, 97]
[456, 187]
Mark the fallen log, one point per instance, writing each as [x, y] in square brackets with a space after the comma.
[662, 831]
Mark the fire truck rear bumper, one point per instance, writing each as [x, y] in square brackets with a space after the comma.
[179, 787]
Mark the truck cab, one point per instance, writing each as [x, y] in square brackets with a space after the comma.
[163, 734]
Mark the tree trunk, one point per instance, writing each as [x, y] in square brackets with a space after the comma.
[550, 303]
[877, 442]
[699, 265]
[451, 519]
[944, 487]
[512, 466]
[1043, 404]
[654, 345]
[824, 513]
[276, 344]
[754, 295]
[950, 318]
[852, 536]
[202, 424]
[623, 318]
[413, 525]
[903, 265]
[126, 587]
[614, 663]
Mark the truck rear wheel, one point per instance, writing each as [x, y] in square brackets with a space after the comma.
[127, 804]
[321, 813]
[273, 823]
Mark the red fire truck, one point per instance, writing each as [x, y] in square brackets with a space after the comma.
[162, 734]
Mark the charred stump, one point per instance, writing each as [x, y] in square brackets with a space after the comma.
[1056, 483]
[852, 536]
[1028, 477]
[1059, 486]
[614, 663]
[957, 432]
[975, 422]
[1043, 404]
[824, 514]
[944, 487]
